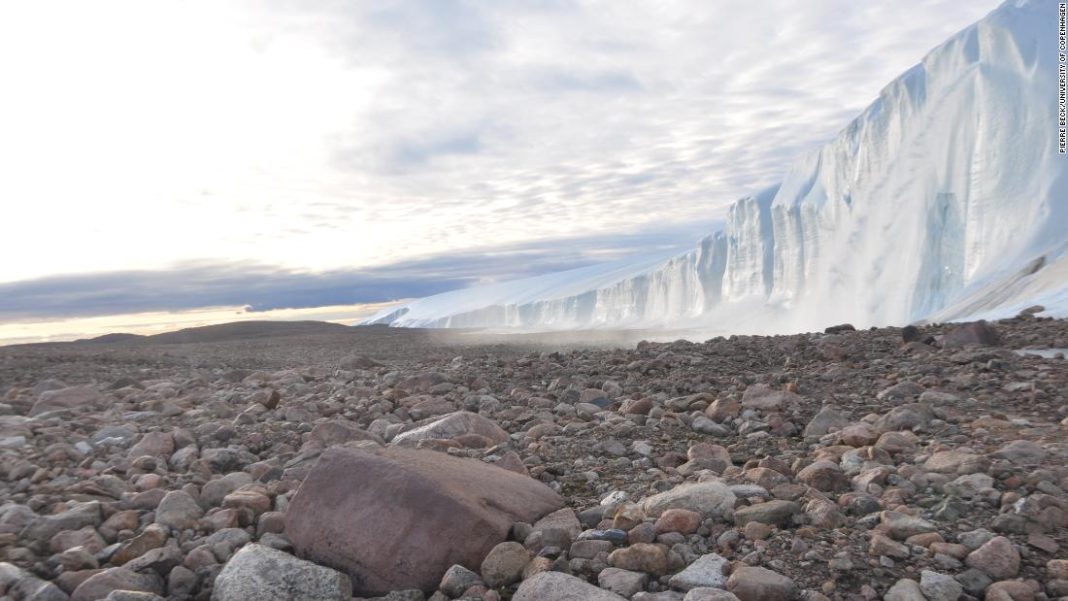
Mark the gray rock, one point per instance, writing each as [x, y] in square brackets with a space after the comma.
[709, 571]
[265, 574]
[101, 584]
[712, 499]
[504, 564]
[178, 510]
[458, 579]
[939, 587]
[622, 582]
[557, 586]
[904, 590]
[826, 420]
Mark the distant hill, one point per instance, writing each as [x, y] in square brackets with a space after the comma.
[238, 330]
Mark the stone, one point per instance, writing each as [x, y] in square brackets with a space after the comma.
[824, 476]
[328, 434]
[152, 537]
[709, 594]
[902, 525]
[178, 510]
[939, 587]
[65, 398]
[557, 586]
[711, 499]
[682, 521]
[452, 425]
[1012, 590]
[153, 444]
[641, 557]
[622, 582]
[976, 333]
[450, 511]
[43, 528]
[956, 462]
[826, 420]
[20, 585]
[1022, 452]
[504, 564]
[707, 571]
[750, 583]
[774, 512]
[458, 579]
[904, 590]
[265, 574]
[998, 558]
[883, 545]
[969, 485]
[99, 585]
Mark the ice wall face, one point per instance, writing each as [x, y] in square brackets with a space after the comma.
[946, 189]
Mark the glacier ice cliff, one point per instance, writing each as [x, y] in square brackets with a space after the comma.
[945, 199]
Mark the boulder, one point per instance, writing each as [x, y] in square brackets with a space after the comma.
[99, 585]
[977, 333]
[397, 519]
[265, 574]
[65, 398]
[452, 426]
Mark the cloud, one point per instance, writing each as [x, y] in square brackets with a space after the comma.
[326, 137]
[262, 287]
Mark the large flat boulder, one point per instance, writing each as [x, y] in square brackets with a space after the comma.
[396, 518]
[65, 398]
[452, 426]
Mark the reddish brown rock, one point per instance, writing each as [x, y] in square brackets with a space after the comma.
[397, 519]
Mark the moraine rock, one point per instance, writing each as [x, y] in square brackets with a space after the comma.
[557, 586]
[451, 426]
[504, 564]
[998, 558]
[102, 583]
[426, 512]
[708, 571]
[713, 499]
[760, 584]
[828, 418]
[905, 590]
[265, 574]
[775, 512]
[65, 398]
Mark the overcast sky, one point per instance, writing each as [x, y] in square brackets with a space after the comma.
[340, 152]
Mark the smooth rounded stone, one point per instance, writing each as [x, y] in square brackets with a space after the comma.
[750, 583]
[557, 586]
[265, 574]
[1012, 590]
[622, 582]
[458, 579]
[178, 510]
[452, 426]
[711, 499]
[463, 508]
[824, 476]
[957, 461]
[998, 558]
[939, 587]
[99, 585]
[682, 521]
[904, 590]
[708, 571]
[709, 594]
[775, 512]
[705, 425]
[504, 564]
[640, 557]
[65, 398]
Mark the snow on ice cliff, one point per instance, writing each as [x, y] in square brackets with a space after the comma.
[945, 199]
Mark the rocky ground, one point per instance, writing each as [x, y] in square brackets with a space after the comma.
[327, 464]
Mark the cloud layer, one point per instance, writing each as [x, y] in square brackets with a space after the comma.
[336, 145]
